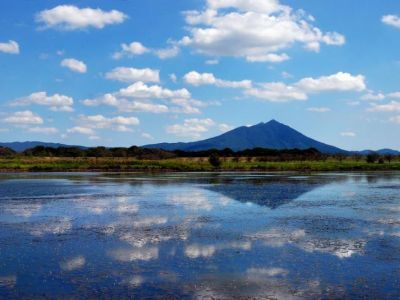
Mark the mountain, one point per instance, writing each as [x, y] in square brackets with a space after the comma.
[380, 152]
[22, 146]
[273, 135]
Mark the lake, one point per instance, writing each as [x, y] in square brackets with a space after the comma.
[200, 235]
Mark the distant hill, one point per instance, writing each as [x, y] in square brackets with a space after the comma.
[22, 146]
[273, 135]
[380, 151]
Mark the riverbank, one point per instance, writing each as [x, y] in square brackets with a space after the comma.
[57, 164]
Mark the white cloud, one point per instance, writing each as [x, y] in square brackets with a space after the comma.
[277, 92]
[348, 134]
[167, 52]
[319, 109]
[271, 57]
[393, 95]
[73, 263]
[74, 65]
[57, 102]
[23, 118]
[119, 123]
[256, 30]
[388, 107]
[43, 130]
[125, 105]
[137, 48]
[371, 96]
[391, 20]
[132, 49]
[192, 128]
[10, 47]
[281, 92]
[141, 90]
[147, 136]
[69, 17]
[197, 79]
[81, 130]
[224, 127]
[337, 82]
[131, 75]
[155, 99]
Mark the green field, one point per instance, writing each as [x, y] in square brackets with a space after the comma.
[56, 164]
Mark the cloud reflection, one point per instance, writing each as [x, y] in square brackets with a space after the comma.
[73, 263]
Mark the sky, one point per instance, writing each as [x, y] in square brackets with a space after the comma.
[130, 72]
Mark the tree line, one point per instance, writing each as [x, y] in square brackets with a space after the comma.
[261, 154]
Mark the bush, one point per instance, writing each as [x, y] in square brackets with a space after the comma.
[214, 160]
[372, 158]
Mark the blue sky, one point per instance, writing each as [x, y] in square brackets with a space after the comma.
[121, 73]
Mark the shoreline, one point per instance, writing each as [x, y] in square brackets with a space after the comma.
[121, 165]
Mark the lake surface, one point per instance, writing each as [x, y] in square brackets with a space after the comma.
[211, 236]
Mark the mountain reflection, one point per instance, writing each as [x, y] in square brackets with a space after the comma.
[271, 192]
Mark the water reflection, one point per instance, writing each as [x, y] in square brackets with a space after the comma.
[200, 235]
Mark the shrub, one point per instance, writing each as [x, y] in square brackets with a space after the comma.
[214, 160]
[372, 158]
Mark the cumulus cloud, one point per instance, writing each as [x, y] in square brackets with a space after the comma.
[256, 30]
[140, 97]
[127, 105]
[194, 128]
[141, 90]
[137, 48]
[319, 109]
[131, 75]
[167, 52]
[73, 263]
[26, 117]
[388, 107]
[392, 20]
[74, 65]
[371, 96]
[70, 17]
[271, 57]
[119, 123]
[81, 130]
[43, 130]
[197, 79]
[10, 47]
[57, 102]
[282, 92]
[277, 92]
[337, 82]
[132, 49]
[147, 136]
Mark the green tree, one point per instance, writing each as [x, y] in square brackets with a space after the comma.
[214, 160]
[372, 158]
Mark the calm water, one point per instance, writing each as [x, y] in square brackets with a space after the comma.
[205, 235]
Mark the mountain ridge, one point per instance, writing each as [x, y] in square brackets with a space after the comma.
[22, 146]
[273, 135]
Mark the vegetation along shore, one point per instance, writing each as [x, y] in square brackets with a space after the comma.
[65, 159]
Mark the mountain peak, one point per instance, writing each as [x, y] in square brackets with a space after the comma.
[272, 135]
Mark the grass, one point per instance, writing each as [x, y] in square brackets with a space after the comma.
[57, 164]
